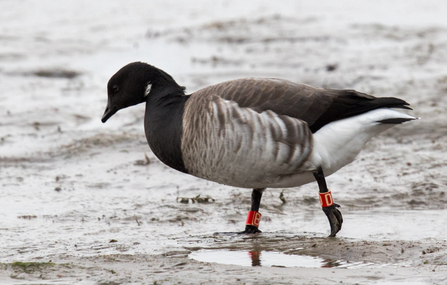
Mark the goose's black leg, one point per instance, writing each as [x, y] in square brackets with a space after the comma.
[329, 207]
[254, 216]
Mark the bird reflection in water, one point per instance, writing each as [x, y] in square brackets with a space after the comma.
[255, 258]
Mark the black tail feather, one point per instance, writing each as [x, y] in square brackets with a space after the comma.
[349, 103]
[395, 121]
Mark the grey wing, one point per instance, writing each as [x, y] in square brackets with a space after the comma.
[283, 97]
[316, 106]
[239, 146]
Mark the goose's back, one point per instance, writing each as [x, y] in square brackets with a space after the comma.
[246, 132]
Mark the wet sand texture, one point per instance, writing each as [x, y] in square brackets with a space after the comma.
[83, 202]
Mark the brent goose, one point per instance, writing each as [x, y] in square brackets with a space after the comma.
[255, 132]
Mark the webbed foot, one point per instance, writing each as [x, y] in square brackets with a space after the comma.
[335, 218]
[249, 229]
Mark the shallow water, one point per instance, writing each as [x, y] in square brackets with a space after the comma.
[74, 190]
[256, 258]
[271, 259]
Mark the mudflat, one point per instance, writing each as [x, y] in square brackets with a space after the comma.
[83, 202]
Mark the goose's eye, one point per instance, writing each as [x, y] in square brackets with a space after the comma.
[115, 88]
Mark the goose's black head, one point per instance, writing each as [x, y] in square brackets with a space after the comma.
[133, 83]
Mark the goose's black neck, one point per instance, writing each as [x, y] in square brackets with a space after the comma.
[163, 125]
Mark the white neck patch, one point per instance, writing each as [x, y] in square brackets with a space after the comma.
[148, 89]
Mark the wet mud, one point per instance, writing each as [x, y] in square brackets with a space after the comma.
[88, 203]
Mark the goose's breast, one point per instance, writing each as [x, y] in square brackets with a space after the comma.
[237, 146]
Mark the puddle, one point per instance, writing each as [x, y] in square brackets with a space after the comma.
[270, 259]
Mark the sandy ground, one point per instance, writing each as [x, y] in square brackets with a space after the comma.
[88, 203]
